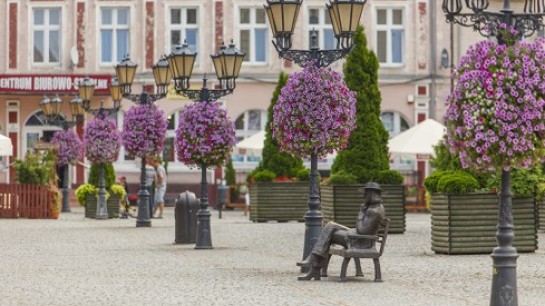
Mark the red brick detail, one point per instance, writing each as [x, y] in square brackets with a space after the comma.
[421, 117]
[149, 88]
[218, 6]
[80, 36]
[13, 35]
[80, 171]
[288, 64]
[150, 15]
[12, 117]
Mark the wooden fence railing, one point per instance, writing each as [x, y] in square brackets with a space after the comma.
[25, 201]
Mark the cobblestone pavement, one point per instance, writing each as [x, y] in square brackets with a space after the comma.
[78, 261]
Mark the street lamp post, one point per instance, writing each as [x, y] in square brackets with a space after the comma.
[487, 23]
[345, 16]
[227, 63]
[51, 109]
[86, 90]
[126, 71]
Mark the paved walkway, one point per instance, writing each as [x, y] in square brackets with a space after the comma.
[78, 261]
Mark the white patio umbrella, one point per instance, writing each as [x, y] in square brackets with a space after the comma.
[252, 144]
[418, 140]
[6, 148]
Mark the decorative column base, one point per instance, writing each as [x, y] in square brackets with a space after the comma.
[204, 237]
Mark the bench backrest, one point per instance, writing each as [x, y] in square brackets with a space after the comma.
[383, 234]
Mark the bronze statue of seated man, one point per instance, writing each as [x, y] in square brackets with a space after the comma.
[370, 217]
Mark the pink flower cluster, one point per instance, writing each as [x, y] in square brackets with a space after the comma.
[205, 135]
[495, 116]
[70, 147]
[315, 113]
[144, 130]
[102, 140]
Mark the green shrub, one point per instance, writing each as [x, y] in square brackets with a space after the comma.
[280, 163]
[457, 182]
[341, 177]
[264, 176]
[35, 169]
[118, 190]
[303, 174]
[367, 151]
[109, 175]
[230, 174]
[83, 190]
[524, 182]
[432, 180]
[389, 177]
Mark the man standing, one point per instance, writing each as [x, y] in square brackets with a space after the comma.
[160, 188]
[150, 177]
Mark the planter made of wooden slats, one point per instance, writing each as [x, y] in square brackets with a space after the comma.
[280, 201]
[541, 213]
[341, 203]
[112, 204]
[466, 224]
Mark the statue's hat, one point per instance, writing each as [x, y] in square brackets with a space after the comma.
[372, 186]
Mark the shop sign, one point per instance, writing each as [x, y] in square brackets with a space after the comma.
[41, 83]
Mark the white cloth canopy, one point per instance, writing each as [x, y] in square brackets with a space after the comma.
[6, 148]
[253, 143]
[418, 140]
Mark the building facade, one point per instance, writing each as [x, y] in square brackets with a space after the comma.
[48, 45]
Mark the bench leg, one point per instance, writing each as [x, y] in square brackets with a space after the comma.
[378, 275]
[325, 266]
[358, 267]
[344, 266]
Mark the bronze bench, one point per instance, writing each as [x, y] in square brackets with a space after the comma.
[353, 251]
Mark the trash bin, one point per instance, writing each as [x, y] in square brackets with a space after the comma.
[222, 197]
[185, 214]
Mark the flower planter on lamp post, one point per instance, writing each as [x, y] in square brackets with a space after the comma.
[483, 126]
[70, 146]
[345, 16]
[227, 63]
[136, 131]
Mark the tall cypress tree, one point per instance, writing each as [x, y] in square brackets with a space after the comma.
[367, 152]
[282, 164]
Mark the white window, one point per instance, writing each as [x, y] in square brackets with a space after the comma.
[319, 21]
[253, 34]
[114, 34]
[390, 36]
[46, 33]
[394, 123]
[249, 123]
[184, 26]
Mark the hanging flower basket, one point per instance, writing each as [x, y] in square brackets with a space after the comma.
[144, 130]
[205, 135]
[69, 147]
[315, 113]
[102, 140]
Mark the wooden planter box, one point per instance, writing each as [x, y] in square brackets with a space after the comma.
[341, 203]
[466, 224]
[541, 214]
[112, 204]
[280, 201]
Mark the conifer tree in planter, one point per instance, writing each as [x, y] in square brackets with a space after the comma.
[366, 157]
[273, 199]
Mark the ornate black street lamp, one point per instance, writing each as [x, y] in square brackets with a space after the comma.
[126, 71]
[86, 90]
[487, 23]
[345, 18]
[51, 108]
[227, 63]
